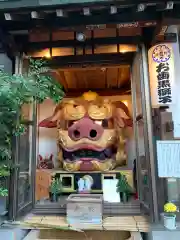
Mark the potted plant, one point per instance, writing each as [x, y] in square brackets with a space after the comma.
[123, 188]
[55, 189]
[170, 210]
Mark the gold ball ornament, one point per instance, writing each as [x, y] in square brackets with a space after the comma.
[90, 96]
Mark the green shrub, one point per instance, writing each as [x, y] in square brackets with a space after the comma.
[16, 90]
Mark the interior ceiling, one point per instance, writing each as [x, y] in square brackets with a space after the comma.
[100, 79]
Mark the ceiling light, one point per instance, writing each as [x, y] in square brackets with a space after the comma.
[113, 10]
[59, 13]
[80, 37]
[170, 5]
[86, 11]
[34, 14]
[141, 7]
[103, 69]
[8, 16]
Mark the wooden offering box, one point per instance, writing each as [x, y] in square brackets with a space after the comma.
[84, 209]
[43, 182]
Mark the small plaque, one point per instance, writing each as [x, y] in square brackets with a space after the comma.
[168, 158]
[109, 191]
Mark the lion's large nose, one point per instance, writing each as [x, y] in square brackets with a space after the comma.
[85, 128]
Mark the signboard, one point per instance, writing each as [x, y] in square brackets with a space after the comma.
[168, 159]
[128, 25]
[92, 27]
[109, 191]
[161, 73]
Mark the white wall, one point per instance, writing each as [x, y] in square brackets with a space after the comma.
[47, 138]
[175, 108]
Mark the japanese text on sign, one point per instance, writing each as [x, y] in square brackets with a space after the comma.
[164, 86]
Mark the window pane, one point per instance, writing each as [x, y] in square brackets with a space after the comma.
[24, 179]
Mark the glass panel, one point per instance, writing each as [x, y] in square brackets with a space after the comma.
[142, 161]
[4, 182]
[105, 49]
[124, 48]
[24, 178]
[62, 52]
[42, 53]
[24, 186]
[138, 88]
[69, 51]
[144, 184]
[79, 51]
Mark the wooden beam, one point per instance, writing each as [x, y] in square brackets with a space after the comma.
[51, 21]
[8, 43]
[91, 60]
[160, 34]
[102, 92]
[168, 18]
[156, 33]
[39, 5]
[159, 31]
[84, 68]
[35, 46]
[172, 17]
[167, 38]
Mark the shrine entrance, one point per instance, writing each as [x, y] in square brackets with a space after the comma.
[110, 60]
[131, 75]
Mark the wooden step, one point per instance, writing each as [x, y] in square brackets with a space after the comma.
[123, 223]
[87, 235]
[131, 208]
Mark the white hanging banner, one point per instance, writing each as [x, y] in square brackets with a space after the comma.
[161, 73]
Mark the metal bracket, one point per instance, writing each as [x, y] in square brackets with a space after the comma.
[169, 126]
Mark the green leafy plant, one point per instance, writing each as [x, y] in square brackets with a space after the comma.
[15, 91]
[4, 192]
[55, 188]
[123, 188]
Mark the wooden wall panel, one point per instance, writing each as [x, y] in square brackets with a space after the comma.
[39, 35]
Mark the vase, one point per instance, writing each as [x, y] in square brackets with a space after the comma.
[170, 222]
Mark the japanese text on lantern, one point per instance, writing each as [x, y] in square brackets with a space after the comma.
[161, 71]
[164, 86]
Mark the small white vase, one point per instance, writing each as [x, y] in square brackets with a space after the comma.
[170, 222]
